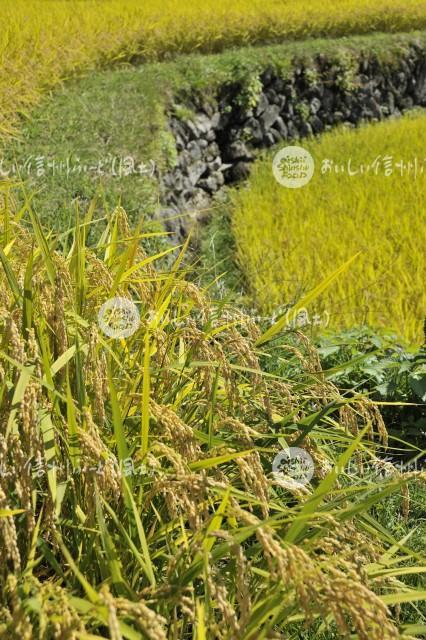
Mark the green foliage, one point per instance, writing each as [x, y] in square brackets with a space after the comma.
[251, 88]
[377, 363]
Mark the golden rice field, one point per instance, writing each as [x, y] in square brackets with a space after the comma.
[42, 42]
[289, 240]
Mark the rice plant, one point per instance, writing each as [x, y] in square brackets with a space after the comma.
[366, 198]
[136, 492]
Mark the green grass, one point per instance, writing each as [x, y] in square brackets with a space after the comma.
[96, 119]
[215, 251]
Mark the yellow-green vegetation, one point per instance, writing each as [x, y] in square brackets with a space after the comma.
[289, 240]
[136, 494]
[43, 42]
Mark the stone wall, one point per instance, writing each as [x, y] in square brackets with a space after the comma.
[217, 136]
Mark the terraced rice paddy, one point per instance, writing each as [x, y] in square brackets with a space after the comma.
[42, 43]
[289, 240]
